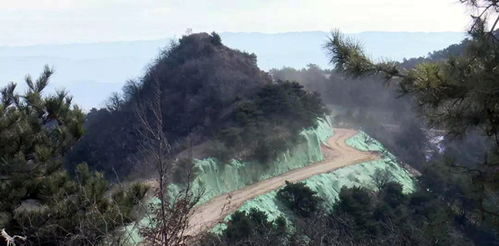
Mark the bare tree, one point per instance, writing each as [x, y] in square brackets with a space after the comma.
[115, 102]
[170, 218]
[11, 240]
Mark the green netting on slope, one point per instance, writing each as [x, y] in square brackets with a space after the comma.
[215, 178]
[329, 185]
[266, 203]
[364, 142]
[131, 233]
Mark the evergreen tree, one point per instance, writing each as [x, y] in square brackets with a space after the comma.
[457, 94]
[39, 199]
[299, 198]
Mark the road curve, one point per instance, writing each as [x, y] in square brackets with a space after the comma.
[336, 155]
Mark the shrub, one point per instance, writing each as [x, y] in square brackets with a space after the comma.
[253, 226]
[299, 198]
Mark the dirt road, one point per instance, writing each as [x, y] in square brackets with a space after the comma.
[338, 154]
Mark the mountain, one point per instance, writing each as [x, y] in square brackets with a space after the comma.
[93, 71]
[206, 92]
[298, 49]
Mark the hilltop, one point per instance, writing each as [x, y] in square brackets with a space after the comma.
[92, 71]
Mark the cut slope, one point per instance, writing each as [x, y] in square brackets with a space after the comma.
[337, 154]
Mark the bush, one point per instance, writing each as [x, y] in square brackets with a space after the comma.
[299, 198]
[388, 217]
[218, 150]
[39, 198]
[251, 228]
[216, 39]
[264, 127]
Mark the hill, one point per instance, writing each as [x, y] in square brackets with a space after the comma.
[208, 92]
[438, 55]
[93, 71]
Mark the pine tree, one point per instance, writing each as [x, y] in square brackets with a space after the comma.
[457, 94]
[40, 200]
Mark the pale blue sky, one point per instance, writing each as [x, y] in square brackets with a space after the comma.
[26, 22]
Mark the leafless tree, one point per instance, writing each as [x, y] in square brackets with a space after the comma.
[169, 218]
[11, 240]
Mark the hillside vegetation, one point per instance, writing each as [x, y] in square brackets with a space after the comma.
[209, 93]
[260, 158]
[39, 198]
[369, 104]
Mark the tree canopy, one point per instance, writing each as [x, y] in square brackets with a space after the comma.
[39, 198]
[457, 94]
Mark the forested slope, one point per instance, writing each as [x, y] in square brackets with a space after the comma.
[208, 92]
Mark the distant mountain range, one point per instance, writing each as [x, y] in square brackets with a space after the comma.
[91, 72]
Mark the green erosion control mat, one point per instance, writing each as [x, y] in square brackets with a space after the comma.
[329, 185]
[215, 178]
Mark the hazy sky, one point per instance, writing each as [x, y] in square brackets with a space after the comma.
[24, 22]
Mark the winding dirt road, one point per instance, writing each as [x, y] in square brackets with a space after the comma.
[337, 155]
